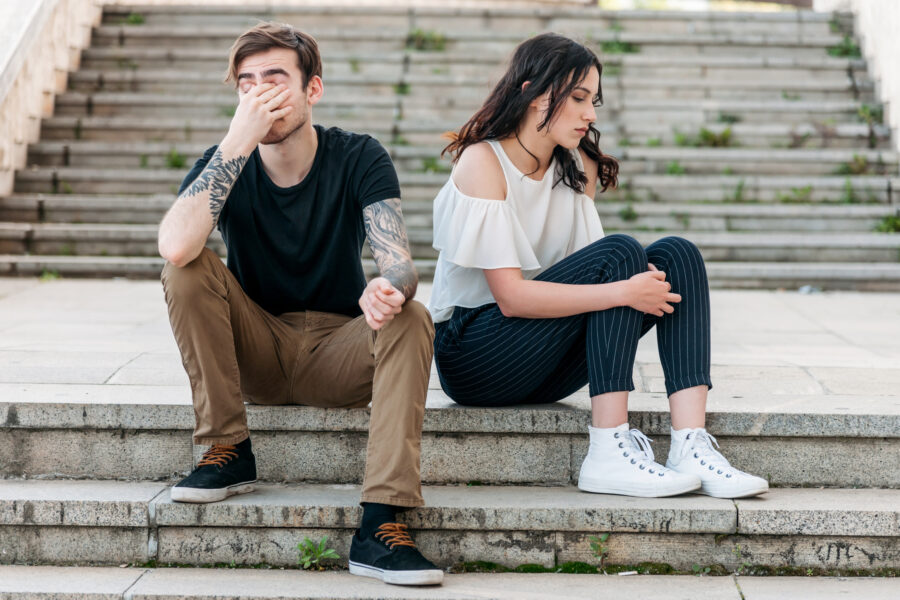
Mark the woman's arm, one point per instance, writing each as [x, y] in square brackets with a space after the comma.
[478, 174]
[519, 297]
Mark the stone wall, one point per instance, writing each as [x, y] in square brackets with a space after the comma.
[40, 42]
[877, 24]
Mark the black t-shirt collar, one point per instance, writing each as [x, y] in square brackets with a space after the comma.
[294, 189]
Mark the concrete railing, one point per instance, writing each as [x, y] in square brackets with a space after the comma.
[877, 25]
[40, 42]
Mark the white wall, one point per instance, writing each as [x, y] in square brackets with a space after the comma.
[40, 42]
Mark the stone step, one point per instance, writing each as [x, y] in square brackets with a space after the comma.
[63, 522]
[468, 63]
[71, 208]
[123, 104]
[674, 112]
[878, 277]
[758, 188]
[137, 425]
[633, 160]
[786, 189]
[439, 86]
[430, 132]
[671, 112]
[434, 18]
[388, 39]
[141, 240]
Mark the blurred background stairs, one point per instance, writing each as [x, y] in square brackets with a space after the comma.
[756, 135]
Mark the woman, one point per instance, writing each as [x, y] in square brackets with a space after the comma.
[531, 301]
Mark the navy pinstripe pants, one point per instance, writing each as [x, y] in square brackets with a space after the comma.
[486, 359]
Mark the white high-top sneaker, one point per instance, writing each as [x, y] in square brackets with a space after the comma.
[692, 452]
[620, 461]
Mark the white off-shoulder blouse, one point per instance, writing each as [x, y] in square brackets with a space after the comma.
[534, 228]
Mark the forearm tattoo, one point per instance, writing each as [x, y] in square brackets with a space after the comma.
[390, 246]
[218, 177]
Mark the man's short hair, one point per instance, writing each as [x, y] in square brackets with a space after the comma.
[266, 36]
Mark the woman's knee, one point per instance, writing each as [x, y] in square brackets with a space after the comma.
[675, 247]
[679, 257]
[626, 249]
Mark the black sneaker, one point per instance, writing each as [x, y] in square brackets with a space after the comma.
[223, 471]
[391, 556]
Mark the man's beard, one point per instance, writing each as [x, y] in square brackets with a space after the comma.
[276, 137]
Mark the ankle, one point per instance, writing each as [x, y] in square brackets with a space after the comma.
[374, 516]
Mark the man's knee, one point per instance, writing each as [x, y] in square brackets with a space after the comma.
[180, 280]
[414, 319]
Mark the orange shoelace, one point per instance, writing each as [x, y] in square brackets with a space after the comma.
[218, 455]
[394, 534]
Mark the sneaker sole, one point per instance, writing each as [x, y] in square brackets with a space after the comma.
[200, 495]
[746, 493]
[595, 487]
[426, 577]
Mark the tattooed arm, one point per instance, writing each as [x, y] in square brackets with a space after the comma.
[187, 225]
[390, 247]
[385, 295]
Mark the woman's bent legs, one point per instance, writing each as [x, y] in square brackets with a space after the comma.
[487, 359]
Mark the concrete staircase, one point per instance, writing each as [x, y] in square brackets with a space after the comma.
[741, 131]
[96, 419]
[95, 423]
[499, 485]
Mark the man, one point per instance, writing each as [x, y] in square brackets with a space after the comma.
[291, 319]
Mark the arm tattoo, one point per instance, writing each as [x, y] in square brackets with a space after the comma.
[390, 247]
[217, 178]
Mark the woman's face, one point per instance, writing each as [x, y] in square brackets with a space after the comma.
[576, 114]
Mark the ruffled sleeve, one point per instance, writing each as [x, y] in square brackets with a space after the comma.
[481, 234]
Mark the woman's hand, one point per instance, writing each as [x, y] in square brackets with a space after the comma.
[649, 292]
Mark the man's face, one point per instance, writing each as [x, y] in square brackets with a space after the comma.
[278, 66]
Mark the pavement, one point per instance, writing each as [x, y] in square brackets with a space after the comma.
[80, 582]
[808, 350]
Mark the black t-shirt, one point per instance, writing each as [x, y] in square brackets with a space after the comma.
[298, 248]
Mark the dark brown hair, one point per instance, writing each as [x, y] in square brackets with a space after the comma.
[266, 36]
[549, 62]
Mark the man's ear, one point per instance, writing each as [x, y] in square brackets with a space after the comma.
[315, 89]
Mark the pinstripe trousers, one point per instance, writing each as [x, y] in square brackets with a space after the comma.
[487, 359]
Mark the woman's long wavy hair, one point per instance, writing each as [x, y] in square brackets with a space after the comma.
[549, 62]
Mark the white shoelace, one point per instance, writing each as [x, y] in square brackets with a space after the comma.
[700, 442]
[643, 453]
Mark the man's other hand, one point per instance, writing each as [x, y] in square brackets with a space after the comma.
[380, 301]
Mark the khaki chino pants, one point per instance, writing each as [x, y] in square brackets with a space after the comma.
[233, 351]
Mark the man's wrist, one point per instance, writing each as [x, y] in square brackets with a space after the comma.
[232, 146]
